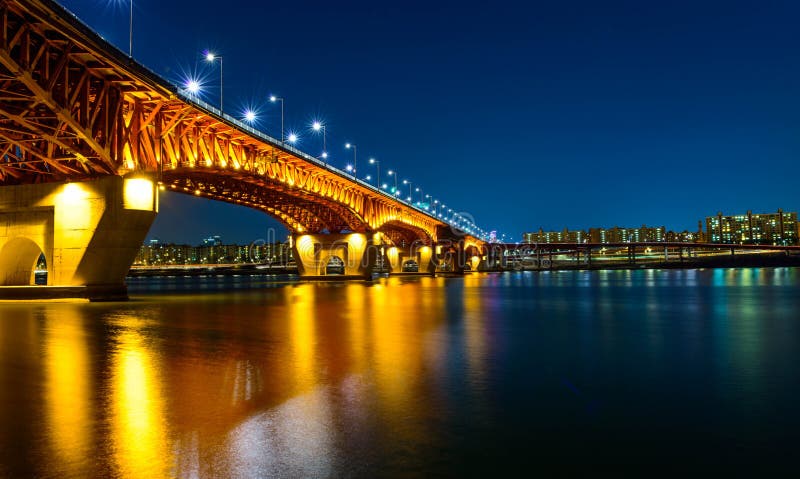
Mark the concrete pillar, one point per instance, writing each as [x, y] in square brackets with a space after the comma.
[313, 252]
[419, 252]
[89, 231]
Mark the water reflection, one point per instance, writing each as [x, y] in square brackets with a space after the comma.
[68, 395]
[401, 376]
[139, 427]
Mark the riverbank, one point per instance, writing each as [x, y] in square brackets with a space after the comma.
[753, 260]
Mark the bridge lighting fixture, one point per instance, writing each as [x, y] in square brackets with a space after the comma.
[193, 86]
[274, 99]
[292, 138]
[394, 173]
[250, 115]
[211, 57]
[319, 126]
[373, 161]
[355, 156]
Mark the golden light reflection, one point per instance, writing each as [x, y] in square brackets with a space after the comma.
[357, 325]
[475, 327]
[302, 316]
[67, 395]
[138, 421]
[393, 353]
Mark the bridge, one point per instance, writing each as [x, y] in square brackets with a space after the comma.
[88, 138]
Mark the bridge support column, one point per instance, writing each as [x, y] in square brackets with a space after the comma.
[334, 255]
[420, 253]
[89, 233]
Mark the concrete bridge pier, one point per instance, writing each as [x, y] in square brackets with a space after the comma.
[334, 256]
[89, 233]
[401, 258]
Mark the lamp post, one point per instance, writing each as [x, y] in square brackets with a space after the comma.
[373, 161]
[355, 158]
[274, 99]
[393, 173]
[318, 126]
[406, 182]
[419, 190]
[130, 45]
[210, 57]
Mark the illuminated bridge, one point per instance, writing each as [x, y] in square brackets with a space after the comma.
[87, 136]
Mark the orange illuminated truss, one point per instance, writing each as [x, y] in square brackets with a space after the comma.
[74, 107]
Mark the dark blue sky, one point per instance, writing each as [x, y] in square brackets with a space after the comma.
[522, 114]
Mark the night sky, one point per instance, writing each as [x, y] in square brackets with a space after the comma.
[523, 114]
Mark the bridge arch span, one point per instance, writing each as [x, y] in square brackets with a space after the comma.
[18, 258]
[298, 210]
[402, 233]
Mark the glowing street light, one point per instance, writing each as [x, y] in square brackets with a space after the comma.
[274, 99]
[373, 161]
[319, 126]
[210, 57]
[249, 116]
[393, 173]
[406, 182]
[292, 138]
[355, 157]
[193, 87]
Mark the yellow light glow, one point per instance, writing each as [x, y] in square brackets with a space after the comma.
[73, 193]
[356, 240]
[68, 391]
[139, 437]
[139, 194]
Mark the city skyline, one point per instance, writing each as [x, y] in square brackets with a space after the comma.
[522, 116]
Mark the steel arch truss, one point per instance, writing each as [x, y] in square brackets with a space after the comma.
[74, 107]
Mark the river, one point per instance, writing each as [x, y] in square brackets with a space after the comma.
[572, 372]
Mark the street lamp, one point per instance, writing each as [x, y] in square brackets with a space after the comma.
[130, 45]
[292, 137]
[318, 126]
[193, 87]
[394, 173]
[406, 182]
[274, 99]
[210, 57]
[373, 161]
[355, 157]
[250, 116]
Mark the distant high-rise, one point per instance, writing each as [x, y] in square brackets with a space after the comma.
[769, 228]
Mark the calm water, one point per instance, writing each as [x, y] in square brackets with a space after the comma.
[550, 372]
